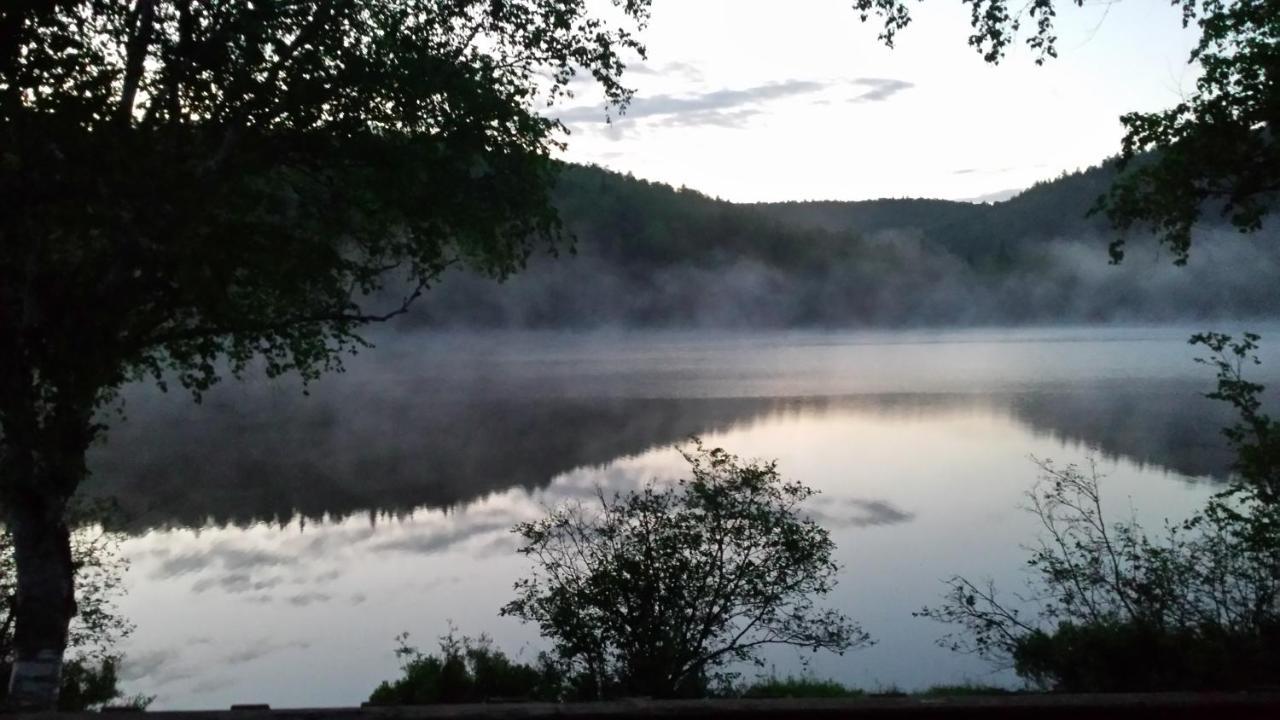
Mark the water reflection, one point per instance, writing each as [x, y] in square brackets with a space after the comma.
[239, 463]
[260, 612]
[280, 543]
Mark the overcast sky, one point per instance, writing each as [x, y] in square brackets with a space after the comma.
[796, 99]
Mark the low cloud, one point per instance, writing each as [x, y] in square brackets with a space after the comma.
[326, 577]
[857, 513]
[309, 598]
[725, 108]
[209, 685]
[880, 89]
[728, 107]
[221, 555]
[236, 583]
[498, 546]
[436, 583]
[686, 70]
[436, 541]
[262, 648]
[147, 664]
[876, 512]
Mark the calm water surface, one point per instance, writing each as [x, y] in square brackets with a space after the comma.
[279, 542]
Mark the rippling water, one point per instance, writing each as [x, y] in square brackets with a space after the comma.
[279, 542]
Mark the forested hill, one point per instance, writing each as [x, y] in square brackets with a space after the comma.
[1048, 210]
[648, 254]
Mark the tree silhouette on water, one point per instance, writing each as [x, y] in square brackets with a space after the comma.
[1111, 607]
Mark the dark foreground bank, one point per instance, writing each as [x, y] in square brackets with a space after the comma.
[1154, 705]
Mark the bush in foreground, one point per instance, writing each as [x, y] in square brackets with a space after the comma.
[1116, 609]
[656, 591]
[466, 670]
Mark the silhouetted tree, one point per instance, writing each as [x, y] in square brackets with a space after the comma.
[193, 188]
[1218, 147]
[1113, 608]
[1255, 436]
[653, 591]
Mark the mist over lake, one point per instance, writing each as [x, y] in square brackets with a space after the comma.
[279, 541]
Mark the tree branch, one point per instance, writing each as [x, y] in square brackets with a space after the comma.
[141, 22]
[340, 317]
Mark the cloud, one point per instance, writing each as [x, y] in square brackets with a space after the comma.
[209, 685]
[335, 540]
[326, 577]
[686, 70]
[498, 546]
[880, 89]
[262, 648]
[222, 555]
[147, 664]
[997, 171]
[436, 583]
[308, 598]
[725, 108]
[712, 118]
[236, 583]
[876, 512]
[436, 541]
[865, 513]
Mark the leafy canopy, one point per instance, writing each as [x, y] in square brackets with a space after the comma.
[190, 183]
[654, 591]
[1215, 149]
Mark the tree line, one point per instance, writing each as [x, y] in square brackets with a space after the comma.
[650, 255]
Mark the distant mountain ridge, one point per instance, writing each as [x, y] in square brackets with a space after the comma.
[650, 255]
[1048, 209]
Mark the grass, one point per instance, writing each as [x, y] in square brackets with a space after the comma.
[965, 690]
[811, 687]
[799, 687]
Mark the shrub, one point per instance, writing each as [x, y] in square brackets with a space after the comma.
[1114, 609]
[466, 671]
[653, 592]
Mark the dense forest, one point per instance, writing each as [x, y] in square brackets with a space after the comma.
[647, 254]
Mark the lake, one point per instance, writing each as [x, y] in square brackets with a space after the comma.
[279, 542]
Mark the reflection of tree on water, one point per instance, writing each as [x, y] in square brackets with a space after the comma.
[263, 456]
[1165, 424]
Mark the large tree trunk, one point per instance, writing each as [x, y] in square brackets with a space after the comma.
[42, 461]
[45, 601]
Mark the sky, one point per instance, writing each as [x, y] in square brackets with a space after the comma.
[769, 100]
